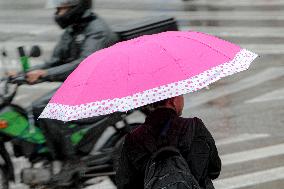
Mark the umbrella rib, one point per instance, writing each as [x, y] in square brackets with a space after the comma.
[128, 73]
[205, 45]
[175, 60]
[91, 73]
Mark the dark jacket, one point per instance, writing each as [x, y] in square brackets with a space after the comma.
[192, 139]
[76, 43]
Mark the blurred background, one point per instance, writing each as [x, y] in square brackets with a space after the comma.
[244, 112]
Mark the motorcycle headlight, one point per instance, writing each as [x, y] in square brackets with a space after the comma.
[3, 124]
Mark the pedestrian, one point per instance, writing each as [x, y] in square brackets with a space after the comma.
[188, 135]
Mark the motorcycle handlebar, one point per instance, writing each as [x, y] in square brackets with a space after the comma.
[21, 80]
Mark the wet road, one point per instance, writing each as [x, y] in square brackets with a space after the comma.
[244, 112]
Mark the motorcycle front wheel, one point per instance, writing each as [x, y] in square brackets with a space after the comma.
[4, 183]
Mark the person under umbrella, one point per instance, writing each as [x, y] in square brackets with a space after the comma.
[195, 143]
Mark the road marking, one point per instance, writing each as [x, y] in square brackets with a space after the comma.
[248, 82]
[123, 14]
[47, 85]
[265, 48]
[250, 179]
[239, 31]
[253, 154]
[262, 49]
[29, 29]
[218, 3]
[274, 95]
[220, 31]
[240, 138]
[193, 15]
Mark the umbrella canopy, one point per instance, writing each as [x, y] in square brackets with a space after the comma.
[144, 70]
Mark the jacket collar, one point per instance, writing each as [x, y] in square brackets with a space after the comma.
[159, 117]
[84, 20]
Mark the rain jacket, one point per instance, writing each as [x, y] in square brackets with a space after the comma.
[76, 43]
[192, 139]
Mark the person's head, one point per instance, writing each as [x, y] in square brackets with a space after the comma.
[175, 103]
[69, 12]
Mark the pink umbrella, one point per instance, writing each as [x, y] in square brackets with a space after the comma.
[144, 70]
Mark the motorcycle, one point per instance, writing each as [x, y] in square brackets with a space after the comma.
[17, 127]
[29, 141]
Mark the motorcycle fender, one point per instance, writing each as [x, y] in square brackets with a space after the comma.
[18, 126]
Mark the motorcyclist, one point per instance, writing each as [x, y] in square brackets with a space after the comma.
[84, 33]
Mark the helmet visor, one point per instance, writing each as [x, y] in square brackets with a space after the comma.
[61, 3]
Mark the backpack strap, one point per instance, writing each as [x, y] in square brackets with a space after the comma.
[165, 152]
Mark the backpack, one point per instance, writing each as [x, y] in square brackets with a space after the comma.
[167, 169]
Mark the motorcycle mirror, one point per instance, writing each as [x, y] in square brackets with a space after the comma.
[35, 51]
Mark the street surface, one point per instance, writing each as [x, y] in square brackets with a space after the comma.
[244, 112]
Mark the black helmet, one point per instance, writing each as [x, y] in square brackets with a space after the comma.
[74, 14]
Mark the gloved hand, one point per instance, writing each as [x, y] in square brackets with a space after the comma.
[35, 75]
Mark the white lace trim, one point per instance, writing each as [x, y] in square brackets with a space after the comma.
[240, 62]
